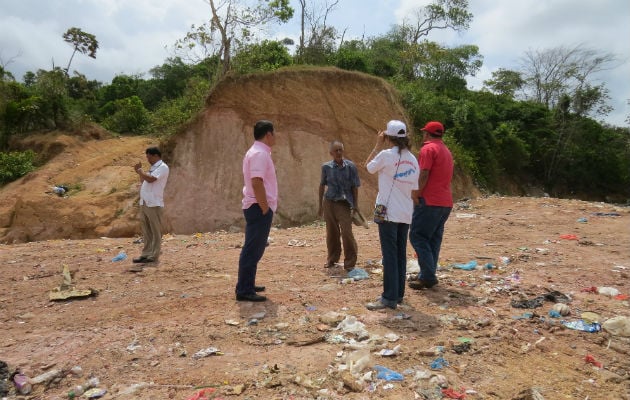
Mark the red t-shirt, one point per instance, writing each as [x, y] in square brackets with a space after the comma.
[436, 157]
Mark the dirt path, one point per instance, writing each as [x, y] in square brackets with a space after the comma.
[140, 334]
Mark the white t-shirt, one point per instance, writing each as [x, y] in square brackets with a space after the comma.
[152, 193]
[395, 194]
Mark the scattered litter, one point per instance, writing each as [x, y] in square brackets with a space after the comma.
[94, 393]
[439, 363]
[590, 317]
[66, 290]
[358, 274]
[581, 325]
[231, 322]
[22, 384]
[452, 394]
[606, 214]
[465, 215]
[352, 326]
[388, 386]
[60, 190]
[554, 314]
[526, 315]
[569, 236]
[557, 297]
[203, 394]
[389, 352]
[582, 220]
[387, 374]
[296, 243]
[591, 360]
[532, 303]
[210, 351]
[561, 309]
[608, 291]
[461, 347]
[467, 266]
[120, 256]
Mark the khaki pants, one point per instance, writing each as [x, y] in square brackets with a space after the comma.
[338, 217]
[151, 221]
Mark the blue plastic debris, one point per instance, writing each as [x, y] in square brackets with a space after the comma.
[387, 374]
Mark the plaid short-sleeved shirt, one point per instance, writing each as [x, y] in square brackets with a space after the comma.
[339, 180]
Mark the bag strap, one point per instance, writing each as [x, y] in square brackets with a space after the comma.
[394, 181]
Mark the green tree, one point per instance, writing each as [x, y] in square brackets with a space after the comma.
[265, 56]
[234, 20]
[446, 69]
[82, 42]
[129, 116]
[505, 82]
[352, 56]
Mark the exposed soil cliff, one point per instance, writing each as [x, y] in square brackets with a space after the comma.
[309, 108]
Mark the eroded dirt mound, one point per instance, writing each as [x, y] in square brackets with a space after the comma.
[309, 108]
[102, 196]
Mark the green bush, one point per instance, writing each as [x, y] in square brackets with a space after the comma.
[15, 164]
[130, 116]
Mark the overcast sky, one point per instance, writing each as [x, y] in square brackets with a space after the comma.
[132, 35]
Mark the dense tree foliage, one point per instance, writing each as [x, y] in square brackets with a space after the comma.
[530, 126]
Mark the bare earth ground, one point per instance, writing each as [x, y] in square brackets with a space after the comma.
[139, 335]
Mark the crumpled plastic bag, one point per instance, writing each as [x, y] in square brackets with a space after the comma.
[387, 374]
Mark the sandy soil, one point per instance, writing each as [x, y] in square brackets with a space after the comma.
[139, 336]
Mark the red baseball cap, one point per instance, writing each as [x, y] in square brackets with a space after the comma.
[434, 128]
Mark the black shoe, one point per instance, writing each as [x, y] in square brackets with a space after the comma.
[420, 284]
[259, 288]
[141, 259]
[250, 297]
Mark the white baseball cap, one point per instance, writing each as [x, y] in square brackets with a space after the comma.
[396, 128]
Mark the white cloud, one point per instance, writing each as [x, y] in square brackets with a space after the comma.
[132, 34]
[505, 30]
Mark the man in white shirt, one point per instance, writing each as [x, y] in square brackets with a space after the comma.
[152, 204]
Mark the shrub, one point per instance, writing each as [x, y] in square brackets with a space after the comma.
[15, 164]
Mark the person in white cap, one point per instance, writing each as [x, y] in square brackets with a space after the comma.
[398, 173]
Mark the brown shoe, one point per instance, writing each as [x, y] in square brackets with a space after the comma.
[420, 284]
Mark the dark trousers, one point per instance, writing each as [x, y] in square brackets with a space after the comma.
[338, 217]
[257, 227]
[393, 237]
[427, 230]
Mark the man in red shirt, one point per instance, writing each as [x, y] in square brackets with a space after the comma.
[432, 203]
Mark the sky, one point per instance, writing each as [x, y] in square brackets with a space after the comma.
[135, 36]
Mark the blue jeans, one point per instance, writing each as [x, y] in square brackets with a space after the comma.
[427, 230]
[257, 227]
[393, 237]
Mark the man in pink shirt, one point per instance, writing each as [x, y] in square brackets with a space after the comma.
[432, 203]
[260, 200]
